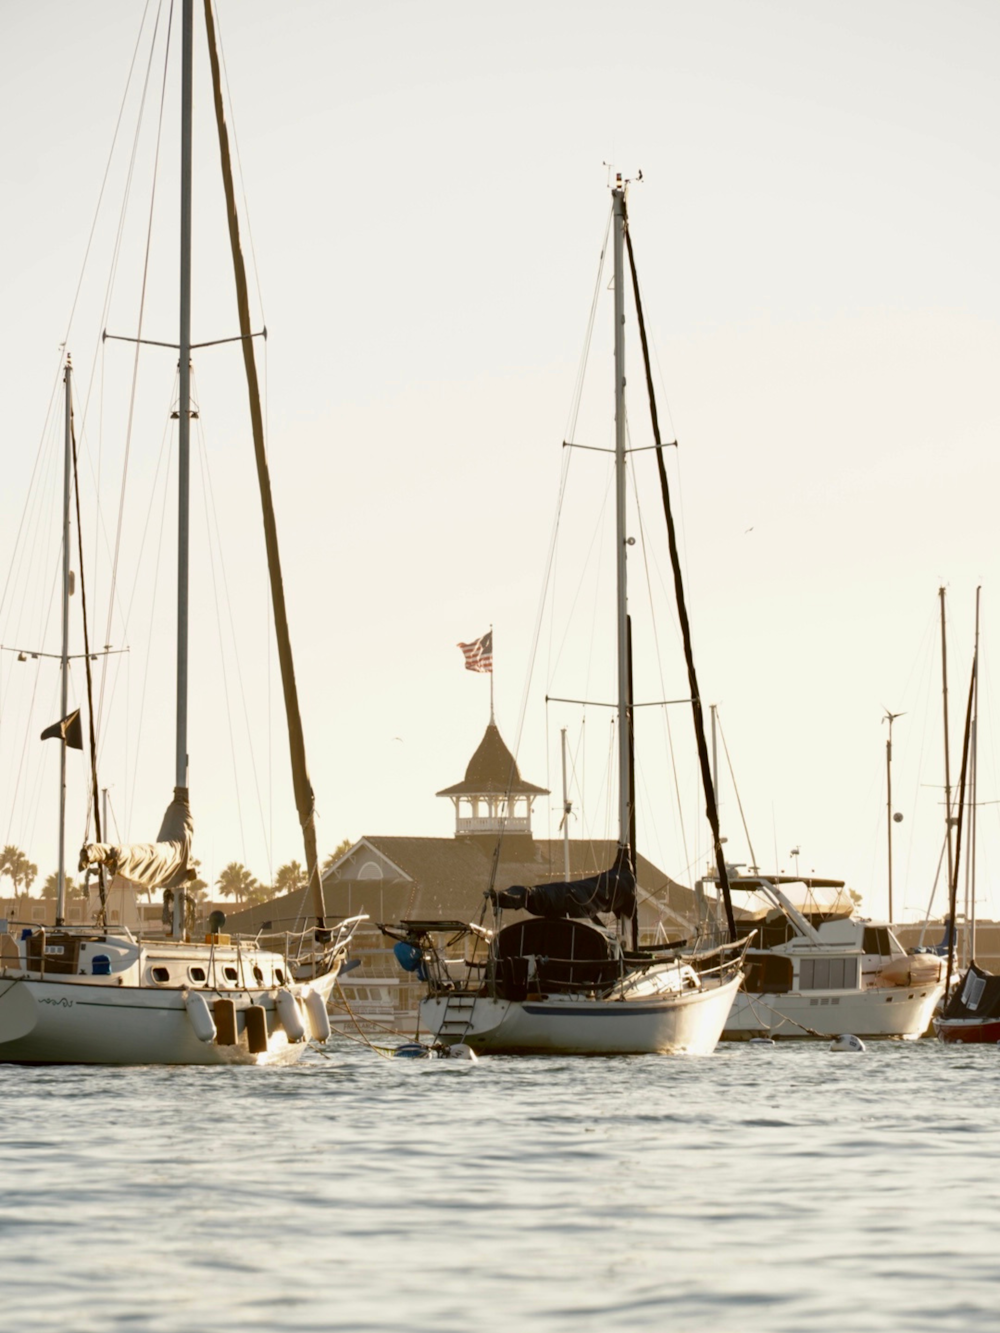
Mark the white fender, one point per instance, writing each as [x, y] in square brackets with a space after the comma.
[200, 1015]
[289, 1015]
[460, 1051]
[316, 1015]
[847, 1041]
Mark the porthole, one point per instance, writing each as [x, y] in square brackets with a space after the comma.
[196, 973]
[230, 973]
[258, 976]
[161, 974]
[279, 976]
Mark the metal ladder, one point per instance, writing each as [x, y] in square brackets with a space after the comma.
[458, 1011]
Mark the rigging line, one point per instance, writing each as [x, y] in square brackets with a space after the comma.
[659, 663]
[135, 364]
[116, 252]
[210, 500]
[90, 682]
[736, 790]
[107, 168]
[588, 337]
[162, 463]
[707, 784]
[205, 488]
[131, 787]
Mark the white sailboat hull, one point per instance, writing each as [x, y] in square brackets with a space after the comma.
[689, 1023]
[875, 1013]
[88, 1022]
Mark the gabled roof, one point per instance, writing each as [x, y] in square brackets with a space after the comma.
[493, 770]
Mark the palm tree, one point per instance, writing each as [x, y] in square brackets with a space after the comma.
[337, 853]
[14, 863]
[73, 890]
[236, 881]
[289, 878]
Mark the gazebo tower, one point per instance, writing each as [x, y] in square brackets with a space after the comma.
[493, 798]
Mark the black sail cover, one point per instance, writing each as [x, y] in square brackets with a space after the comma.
[611, 891]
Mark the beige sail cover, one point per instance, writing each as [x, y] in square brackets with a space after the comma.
[163, 864]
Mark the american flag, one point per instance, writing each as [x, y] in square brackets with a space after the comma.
[479, 653]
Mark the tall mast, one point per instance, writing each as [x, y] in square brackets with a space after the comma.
[184, 423]
[184, 398]
[890, 718]
[970, 911]
[624, 784]
[64, 656]
[947, 748]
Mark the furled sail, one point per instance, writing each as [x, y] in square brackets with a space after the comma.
[163, 864]
[611, 891]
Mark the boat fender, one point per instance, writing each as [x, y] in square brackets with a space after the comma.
[255, 1026]
[200, 1016]
[461, 1051]
[224, 1013]
[316, 1016]
[289, 1015]
[847, 1042]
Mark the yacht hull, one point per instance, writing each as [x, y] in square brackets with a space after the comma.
[689, 1023]
[874, 1014]
[86, 1022]
[968, 1032]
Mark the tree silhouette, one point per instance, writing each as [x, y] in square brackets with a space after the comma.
[337, 853]
[16, 865]
[73, 890]
[289, 877]
[237, 882]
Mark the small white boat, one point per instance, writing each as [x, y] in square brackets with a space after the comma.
[815, 970]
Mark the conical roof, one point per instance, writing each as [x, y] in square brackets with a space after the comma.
[493, 770]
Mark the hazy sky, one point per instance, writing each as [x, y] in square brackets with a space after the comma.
[816, 232]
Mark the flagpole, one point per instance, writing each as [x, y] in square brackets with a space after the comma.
[492, 719]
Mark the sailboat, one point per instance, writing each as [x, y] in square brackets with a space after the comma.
[99, 995]
[566, 979]
[971, 1013]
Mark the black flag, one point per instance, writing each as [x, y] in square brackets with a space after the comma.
[68, 730]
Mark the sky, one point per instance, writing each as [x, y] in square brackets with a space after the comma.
[427, 191]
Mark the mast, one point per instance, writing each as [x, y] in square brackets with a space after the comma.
[567, 807]
[64, 656]
[953, 886]
[947, 748]
[305, 803]
[890, 718]
[621, 607]
[184, 425]
[970, 909]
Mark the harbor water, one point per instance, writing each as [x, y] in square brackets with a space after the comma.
[765, 1188]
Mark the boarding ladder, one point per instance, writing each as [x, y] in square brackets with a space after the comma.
[459, 1006]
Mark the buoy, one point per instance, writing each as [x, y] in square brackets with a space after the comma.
[761, 1041]
[288, 1013]
[847, 1042]
[200, 1016]
[316, 1015]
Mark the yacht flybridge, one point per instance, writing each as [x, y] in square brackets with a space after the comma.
[814, 969]
[98, 995]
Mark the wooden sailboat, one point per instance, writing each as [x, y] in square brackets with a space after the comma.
[566, 979]
[95, 995]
